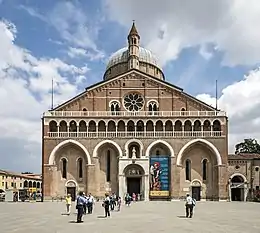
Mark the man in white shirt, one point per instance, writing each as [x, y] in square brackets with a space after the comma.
[90, 203]
[189, 206]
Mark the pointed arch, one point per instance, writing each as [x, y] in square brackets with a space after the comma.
[147, 153]
[199, 140]
[64, 143]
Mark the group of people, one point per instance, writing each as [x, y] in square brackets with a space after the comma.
[84, 204]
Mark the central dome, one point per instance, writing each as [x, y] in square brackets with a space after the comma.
[121, 56]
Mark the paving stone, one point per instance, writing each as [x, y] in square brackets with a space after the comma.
[150, 217]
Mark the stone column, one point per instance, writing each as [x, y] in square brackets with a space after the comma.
[146, 187]
[91, 179]
[222, 183]
[175, 180]
[122, 186]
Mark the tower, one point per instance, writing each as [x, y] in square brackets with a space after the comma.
[133, 48]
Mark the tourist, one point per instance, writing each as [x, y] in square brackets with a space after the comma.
[85, 205]
[81, 201]
[134, 197]
[106, 205]
[189, 206]
[68, 203]
[90, 203]
[128, 199]
[119, 201]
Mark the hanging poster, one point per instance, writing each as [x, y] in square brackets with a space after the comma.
[159, 176]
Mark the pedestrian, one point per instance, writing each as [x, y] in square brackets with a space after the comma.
[81, 201]
[119, 201]
[90, 203]
[85, 205]
[189, 206]
[68, 203]
[106, 205]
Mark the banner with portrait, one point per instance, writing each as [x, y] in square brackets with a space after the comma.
[159, 176]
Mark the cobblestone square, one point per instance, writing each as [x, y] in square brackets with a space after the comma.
[140, 217]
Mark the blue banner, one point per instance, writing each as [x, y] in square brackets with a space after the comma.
[159, 175]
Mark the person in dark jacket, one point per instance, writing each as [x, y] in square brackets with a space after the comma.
[106, 205]
[81, 201]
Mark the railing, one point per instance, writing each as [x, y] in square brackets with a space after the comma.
[147, 134]
[134, 114]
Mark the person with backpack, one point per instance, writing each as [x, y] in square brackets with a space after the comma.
[190, 203]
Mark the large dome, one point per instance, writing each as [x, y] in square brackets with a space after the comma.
[121, 56]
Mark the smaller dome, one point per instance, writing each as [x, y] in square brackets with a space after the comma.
[121, 56]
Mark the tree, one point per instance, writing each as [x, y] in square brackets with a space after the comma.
[249, 146]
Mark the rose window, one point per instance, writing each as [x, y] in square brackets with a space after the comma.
[133, 102]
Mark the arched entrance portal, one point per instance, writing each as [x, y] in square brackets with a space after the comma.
[237, 188]
[134, 175]
[71, 189]
[196, 190]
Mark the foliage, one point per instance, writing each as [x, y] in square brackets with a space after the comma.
[248, 146]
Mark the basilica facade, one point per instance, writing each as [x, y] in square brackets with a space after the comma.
[134, 132]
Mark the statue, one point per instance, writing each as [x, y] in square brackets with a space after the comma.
[134, 153]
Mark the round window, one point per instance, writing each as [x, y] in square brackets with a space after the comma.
[237, 166]
[133, 102]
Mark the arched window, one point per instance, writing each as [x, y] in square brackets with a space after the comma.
[30, 184]
[25, 184]
[114, 107]
[38, 185]
[204, 169]
[108, 166]
[188, 169]
[80, 168]
[64, 168]
[153, 107]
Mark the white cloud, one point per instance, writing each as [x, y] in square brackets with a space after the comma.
[25, 84]
[241, 101]
[232, 26]
[73, 25]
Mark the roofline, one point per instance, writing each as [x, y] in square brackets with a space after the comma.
[95, 85]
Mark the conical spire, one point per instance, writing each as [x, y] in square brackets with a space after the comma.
[133, 31]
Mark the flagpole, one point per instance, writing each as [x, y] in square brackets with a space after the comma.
[52, 93]
[216, 95]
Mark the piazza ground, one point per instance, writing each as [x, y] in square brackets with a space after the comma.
[140, 217]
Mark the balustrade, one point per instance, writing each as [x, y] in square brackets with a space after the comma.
[137, 134]
[134, 114]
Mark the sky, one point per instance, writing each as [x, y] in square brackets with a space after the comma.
[196, 43]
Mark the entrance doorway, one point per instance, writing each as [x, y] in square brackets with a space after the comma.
[72, 192]
[196, 193]
[237, 188]
[133, 185]
[237, 194]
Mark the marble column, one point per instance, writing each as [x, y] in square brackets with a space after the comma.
[146, 187]
[122, 186]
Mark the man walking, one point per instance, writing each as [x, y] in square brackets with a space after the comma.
[106, 205]
[81, 201]
[90, 203]
[189, 206]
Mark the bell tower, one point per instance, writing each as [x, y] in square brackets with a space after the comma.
[133, 48]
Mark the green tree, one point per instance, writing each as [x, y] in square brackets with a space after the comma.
[249, 146]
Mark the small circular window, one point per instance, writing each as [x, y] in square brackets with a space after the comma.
[237, 167]
[257, 169]
[133, 102]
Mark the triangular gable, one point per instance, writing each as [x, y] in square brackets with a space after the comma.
[133, 71]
